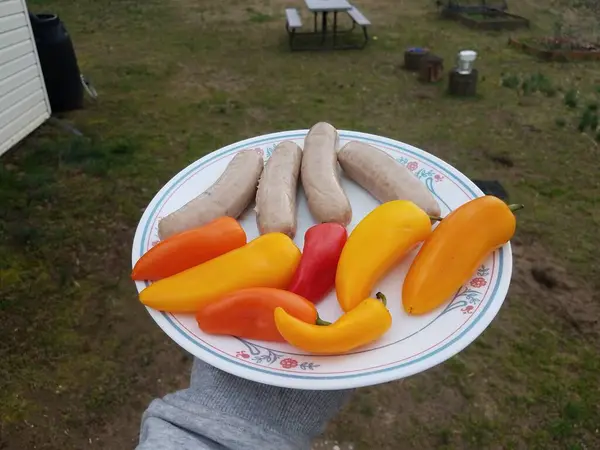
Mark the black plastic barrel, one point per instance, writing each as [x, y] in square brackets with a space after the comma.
[58, 61]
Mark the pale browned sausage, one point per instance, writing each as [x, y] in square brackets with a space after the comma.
[229, 196]
[384, 177]
[276, 195]
[327, 200]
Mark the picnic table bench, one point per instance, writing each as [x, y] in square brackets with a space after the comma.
[293, 19]
[304, 40]
[359, 18]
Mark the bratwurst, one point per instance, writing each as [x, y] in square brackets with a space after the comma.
[327, 200]
[276, 195]
[229, 196]
[384, 177]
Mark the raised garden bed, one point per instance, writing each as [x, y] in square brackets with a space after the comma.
[487, 19]
[476, 5]
[558, 49]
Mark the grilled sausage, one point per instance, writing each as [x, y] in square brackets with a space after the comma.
[327, 200]
[229, 196]
[384, 177]
[276, 195]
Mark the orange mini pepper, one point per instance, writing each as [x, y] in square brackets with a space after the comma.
[455, 250]
[189, 248]
[248, 313]
[268, 261]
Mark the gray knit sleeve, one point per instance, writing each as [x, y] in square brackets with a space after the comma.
[223, 412]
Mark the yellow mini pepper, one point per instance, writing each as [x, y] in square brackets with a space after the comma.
[375, 246]
[365, 323]
[267, 261]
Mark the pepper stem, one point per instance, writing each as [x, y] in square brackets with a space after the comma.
[436, 218]
[381, 297]
[516, 207]
[321, 322]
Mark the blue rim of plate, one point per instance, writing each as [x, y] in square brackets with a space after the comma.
[345, 135]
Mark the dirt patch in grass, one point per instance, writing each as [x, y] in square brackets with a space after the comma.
[234, 13]
[196, 82]
[550, 287]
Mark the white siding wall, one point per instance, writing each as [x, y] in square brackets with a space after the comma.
[24, 103]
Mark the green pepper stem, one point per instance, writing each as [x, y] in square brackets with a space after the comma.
[436, 218]
[381, 297]
[321, 322]
[516, 207]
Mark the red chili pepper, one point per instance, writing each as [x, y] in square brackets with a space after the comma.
[315, 275]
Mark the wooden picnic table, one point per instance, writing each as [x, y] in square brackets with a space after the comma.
[324, 7]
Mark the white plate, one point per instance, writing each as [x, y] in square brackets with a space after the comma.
[412, 345]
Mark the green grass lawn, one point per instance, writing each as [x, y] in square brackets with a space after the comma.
[177, 79]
